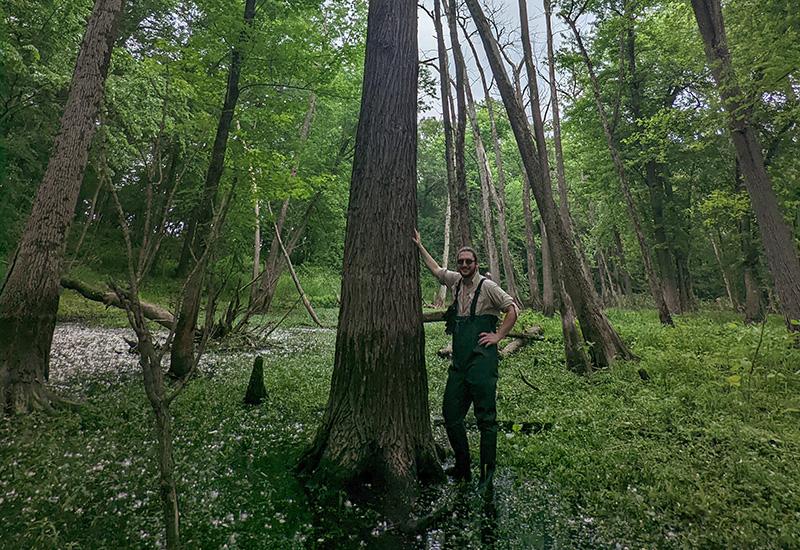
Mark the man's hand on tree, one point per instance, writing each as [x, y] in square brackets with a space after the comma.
[488, 338]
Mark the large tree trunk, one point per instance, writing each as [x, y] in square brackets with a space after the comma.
[653, 279]
[462, 198]
[776, 235]
[182, 352]
[376, 426]
[29, 294]
[593, 322]
[499, 194]
[530, 246]
[485, 174]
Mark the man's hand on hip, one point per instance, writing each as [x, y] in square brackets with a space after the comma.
[488, 338]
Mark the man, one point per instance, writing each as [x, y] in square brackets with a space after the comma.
[472, 377]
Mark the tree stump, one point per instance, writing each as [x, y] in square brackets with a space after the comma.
[256, 391]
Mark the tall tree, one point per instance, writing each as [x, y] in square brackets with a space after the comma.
[499, 193]
[462, 198]
[593, 323]
[776, 235]
[487, 185]
[182, 352]
[451, 218]
[376, 426]
[561, 179]
[653, 174]
[653, 279]
[29, 295]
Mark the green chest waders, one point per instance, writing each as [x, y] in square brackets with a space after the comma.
[472, 378]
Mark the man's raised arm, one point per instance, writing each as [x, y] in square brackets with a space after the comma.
[430, 263]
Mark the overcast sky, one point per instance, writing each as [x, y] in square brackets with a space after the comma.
[509, 16]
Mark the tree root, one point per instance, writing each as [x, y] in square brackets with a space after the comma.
[32, 398]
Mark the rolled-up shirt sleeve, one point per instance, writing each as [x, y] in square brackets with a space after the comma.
[499, 297]
[448, 278]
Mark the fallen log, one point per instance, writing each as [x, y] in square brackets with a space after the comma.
[520, 341]
[151, 311]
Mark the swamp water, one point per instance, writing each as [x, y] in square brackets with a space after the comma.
[236, 462]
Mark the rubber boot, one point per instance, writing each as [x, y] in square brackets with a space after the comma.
[458, 440]
[488, 462]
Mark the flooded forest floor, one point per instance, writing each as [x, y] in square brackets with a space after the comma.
[697, 444]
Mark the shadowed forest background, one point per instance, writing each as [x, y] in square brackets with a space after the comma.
[187, 186]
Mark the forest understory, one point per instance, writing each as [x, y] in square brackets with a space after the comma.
[274, 202]
[696, 445]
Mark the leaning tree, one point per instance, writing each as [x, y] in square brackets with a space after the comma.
[595, 327]
[376, 426]
[776, 235]
[29, 294]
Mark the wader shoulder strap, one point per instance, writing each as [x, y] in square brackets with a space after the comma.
[475, 299]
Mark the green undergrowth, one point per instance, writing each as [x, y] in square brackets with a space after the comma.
[695, 445]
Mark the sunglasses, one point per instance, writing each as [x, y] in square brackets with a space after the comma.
[466, 261]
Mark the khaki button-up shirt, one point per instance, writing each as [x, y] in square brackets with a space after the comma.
[492, 300]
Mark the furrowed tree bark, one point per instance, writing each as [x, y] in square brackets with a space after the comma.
[462, 197]
[594, 325]
[182, 352]
[605, 293]
[376, 427]
[29, 294]
[499, 194]
[776, 235]
[653, 279]
[612, 287]
[273, 267]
